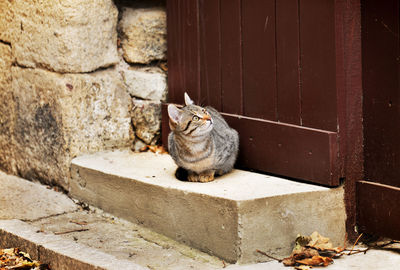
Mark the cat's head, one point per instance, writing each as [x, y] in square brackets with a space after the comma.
[191, 120]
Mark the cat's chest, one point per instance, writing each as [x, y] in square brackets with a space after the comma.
[199, 158]
[199, 165]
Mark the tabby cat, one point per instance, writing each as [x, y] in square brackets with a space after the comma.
[201, 142]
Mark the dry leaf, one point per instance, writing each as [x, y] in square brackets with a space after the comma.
[386, 243]
[164, 66]
[13, 258]
[319, 242]
[301, 241]
[316, 261]
[299, 254]
[158, 149]
[309, 251]
[143, 149]
[303, 267]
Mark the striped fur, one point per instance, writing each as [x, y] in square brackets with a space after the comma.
[201, 142]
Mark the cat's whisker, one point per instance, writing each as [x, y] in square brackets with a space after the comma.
[202, 101]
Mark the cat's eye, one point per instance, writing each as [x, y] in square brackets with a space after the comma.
[195, 118]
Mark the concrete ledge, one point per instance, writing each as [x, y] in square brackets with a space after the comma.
[61, 254]
[231, 217]
[21, 199]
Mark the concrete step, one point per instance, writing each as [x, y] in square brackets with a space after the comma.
[68, 236]
[55, 230]
[59, 253]
[230, 217]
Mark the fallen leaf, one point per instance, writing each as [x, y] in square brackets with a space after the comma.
[301, 241]
[299, 254]
[289, 261]
[164, 66]
[158, 149]
[143, 149]
[309, 251]
[320, 242]
[302, 267]
[316, 261]
[13, 258]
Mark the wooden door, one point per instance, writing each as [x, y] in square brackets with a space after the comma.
[275, 69]
[378, 196]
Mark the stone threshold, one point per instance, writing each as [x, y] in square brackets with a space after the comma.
[58, 252]
[230, 217]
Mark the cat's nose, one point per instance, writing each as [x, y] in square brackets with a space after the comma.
[207, 117]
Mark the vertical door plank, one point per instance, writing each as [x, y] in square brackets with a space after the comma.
[349, 102]
[191, 49]
[378, 209]
[176, 76]
[210, 53]
[231, 56]
[318, 69]
[381, 91]
[288, 61]
[183, 52]
[259, 59]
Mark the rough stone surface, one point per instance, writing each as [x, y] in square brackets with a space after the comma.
[146, 120]
[56, 251]
[61, 116]
[109, 242]
[143, 32]
[20, 199]
[230, 217]
[280, 219]
[65, 36]
[16, 233]
[52, 212]
[6, 108]
[127, 241]
[372, 260]
[148, 83]
[6, 20]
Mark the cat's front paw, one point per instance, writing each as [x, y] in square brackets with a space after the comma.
[203, 177]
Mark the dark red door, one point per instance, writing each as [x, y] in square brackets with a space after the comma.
[378, 196]
[275, 69]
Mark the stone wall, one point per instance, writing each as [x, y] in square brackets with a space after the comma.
[78, 76]
[143, 46]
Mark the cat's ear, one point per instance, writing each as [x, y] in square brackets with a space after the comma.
[188, 101]
[174, 114]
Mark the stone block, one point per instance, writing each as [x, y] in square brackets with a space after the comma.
[65, 36]
[60, 116]
[6, 110]
[6, 20]
[61, 254]
[230, 217]
[146, 120]
[22, 199]
[143, 34]
[148, 83]
[66, 255]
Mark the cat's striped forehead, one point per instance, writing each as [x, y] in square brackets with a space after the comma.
[194, 109]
